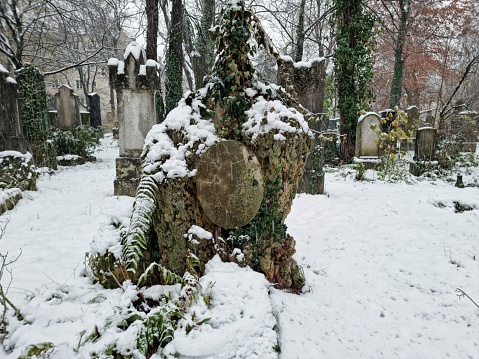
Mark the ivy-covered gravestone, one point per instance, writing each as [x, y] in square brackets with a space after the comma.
[220, 173]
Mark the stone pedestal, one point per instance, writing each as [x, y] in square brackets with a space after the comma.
[135, 84]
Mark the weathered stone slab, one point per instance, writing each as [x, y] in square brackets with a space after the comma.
[229, 184]
[366, 138]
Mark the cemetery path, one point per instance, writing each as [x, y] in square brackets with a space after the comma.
[51, 228]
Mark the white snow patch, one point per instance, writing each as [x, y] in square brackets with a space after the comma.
[273, 115]
[135, 49]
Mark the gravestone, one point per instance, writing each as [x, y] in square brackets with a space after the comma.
[466, 124]
[11, 129]
[307, 79]
[229, 183]
[412, 118]
[424, 150]
[68, 111]
[135, 82]
[367, 149]
[94, 109]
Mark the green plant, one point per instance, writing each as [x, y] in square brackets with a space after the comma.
[34, 110]
[392, 166]
[81, 142]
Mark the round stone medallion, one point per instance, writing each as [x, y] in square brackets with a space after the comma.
[229, 184]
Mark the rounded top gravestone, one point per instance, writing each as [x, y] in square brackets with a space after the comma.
[230, 184]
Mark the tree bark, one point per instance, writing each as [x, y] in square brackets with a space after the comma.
[152, 29]
[396, 85]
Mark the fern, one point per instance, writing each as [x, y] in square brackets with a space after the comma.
[167, 276]
[135, 242]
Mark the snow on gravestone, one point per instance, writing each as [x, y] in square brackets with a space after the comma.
[229, 184]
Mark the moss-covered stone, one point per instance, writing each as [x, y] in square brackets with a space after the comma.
[17, 171]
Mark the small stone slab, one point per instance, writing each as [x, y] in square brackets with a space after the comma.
[229, 183]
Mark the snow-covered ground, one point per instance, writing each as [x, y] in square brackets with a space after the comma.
[382, 261]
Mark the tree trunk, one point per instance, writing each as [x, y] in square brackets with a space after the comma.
[396, 85]
[152, 29]
[174, 58]
[202, 59]
[299, 46]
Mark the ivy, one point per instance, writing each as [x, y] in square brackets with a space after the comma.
[34, 113]
[353, 65]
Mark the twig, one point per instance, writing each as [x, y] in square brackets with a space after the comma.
[460, 293]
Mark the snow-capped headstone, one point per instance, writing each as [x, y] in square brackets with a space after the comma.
[11, 129]
[366, 138]
[424, 148]
[135, 85]
[307, 79]
[68, 109]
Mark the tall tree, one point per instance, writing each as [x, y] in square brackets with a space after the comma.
[174, 58]
[353, 63]
[152, 29]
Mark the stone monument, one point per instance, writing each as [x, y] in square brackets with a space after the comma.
[135, 82]
[307, 79]
[367, 149]
[68, 111]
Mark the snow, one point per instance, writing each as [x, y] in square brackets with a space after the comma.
[362, 117]
[142, 70]
[121, 68]
[11, 80]
[382, 264]
[26, 156]
[165, 159]
[267, 115]
[3, 69]
[151, 63]
[308, 64]
[113, 61]
[134, 49]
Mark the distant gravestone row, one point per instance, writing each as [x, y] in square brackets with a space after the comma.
[68, 116]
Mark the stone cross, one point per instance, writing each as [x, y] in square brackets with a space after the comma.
[68, 110]
[135, 82]
[11, 130]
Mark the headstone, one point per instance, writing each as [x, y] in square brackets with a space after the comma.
[412, 118]
[85, 118]
[135, 83]
[229, 183]
[424, 150]
[68, 111]
[11, 130]
[307, 79]
[366, 138]
[367, 149]
[467, 122]
[94, 109]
